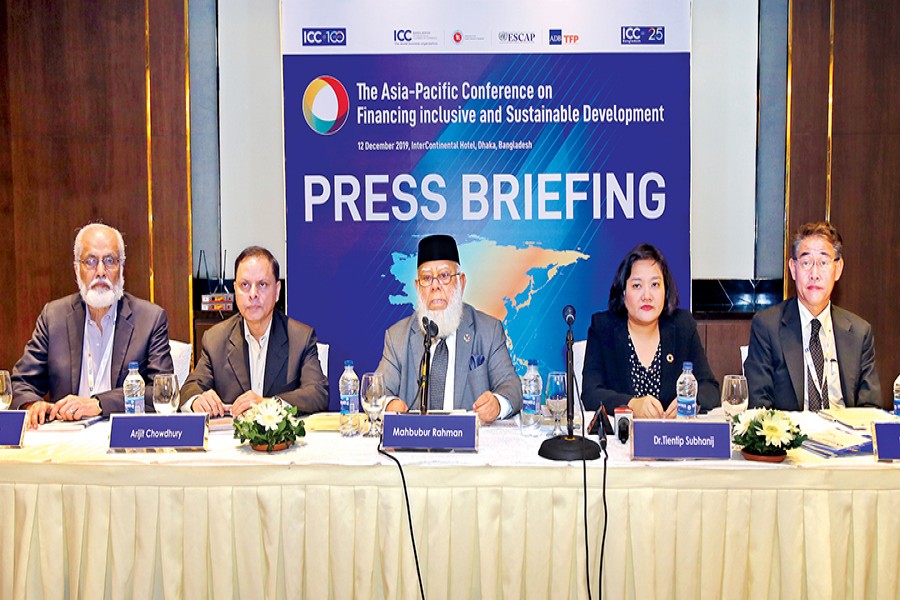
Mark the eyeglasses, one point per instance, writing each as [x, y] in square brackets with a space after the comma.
[92, 262]
[426, 279]
[824, 264]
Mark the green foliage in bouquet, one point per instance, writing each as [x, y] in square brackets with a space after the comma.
[269, 423]
[766, 432]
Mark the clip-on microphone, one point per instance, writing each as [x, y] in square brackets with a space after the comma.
[569, 446]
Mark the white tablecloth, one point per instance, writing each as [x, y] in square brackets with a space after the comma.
[327, 519]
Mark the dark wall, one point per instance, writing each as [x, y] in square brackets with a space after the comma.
[80, 142]
[858, 186]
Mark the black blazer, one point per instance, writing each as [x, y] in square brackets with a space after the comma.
[774, 363]
[293, 372]
[51, 364]
[607, 372]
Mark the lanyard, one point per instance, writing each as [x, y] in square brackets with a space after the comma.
[826, 366]
[104, 361]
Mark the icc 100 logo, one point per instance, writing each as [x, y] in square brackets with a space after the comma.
[333, 36]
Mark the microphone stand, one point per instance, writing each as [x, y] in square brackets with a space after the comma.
[570, 446]
[425, 371]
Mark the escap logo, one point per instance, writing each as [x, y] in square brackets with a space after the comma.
[331, 36]
[516, 37]
[326, 105]
[643, 35]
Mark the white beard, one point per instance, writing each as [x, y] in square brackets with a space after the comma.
[96, 297]
[448, 319]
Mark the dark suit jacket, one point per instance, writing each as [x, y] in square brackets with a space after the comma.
[479, 335]
[52, 360]
[607, 372]
[774, 365]
[292, 372]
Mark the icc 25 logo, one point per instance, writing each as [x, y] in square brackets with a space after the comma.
[643, 35]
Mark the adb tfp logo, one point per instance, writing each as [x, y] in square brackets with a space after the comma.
[325, 105]
[328, 36]
[643, 35]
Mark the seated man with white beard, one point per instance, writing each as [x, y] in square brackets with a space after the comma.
[470, 364]
[78, 355]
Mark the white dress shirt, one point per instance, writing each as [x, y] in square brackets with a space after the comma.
[258, 350]
[829, 351]
[96, 353]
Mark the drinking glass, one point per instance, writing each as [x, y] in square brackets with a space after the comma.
[372, 396]
[556, 399]
[165, 394]
[5, 390]
[735, 395]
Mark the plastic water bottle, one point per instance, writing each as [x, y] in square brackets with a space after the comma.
[349, 386]
[897, 396]
[532, 389]
[134, 390]
[686, 389]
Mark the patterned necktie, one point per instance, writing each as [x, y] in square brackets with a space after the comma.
[438, 376]
[816, 401]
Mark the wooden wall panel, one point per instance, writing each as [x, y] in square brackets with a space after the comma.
[866, 170]
[170, 182]
[7, 241]
[74, 73]
[809, 109]
[865, 161]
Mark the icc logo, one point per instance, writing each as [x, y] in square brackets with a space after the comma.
[402, 35]
[324, 37]
[643, 35]
[631, 33]
[325, 105]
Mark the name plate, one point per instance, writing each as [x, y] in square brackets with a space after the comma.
[151, 432]
[12, 428]
[680, 439]
[430, 432]
[886, 440]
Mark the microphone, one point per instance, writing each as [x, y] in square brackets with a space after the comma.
[601, 432]
[569, 314]
[429, 327]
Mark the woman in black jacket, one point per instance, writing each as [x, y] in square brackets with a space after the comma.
[636, 349]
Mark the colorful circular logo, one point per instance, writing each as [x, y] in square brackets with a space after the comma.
[325, 105]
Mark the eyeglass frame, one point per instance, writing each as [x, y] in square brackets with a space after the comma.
[824, 264]
[439, 278]
[110, 262]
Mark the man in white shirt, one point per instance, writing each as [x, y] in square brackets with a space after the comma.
[259, 352]
[806, 353]
[470, 364]
[76, 362]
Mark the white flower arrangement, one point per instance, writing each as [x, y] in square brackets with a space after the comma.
[766, 432]
[269, 423]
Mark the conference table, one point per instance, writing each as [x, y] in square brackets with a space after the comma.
[326, 519]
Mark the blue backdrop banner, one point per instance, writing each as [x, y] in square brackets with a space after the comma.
[547, 150]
